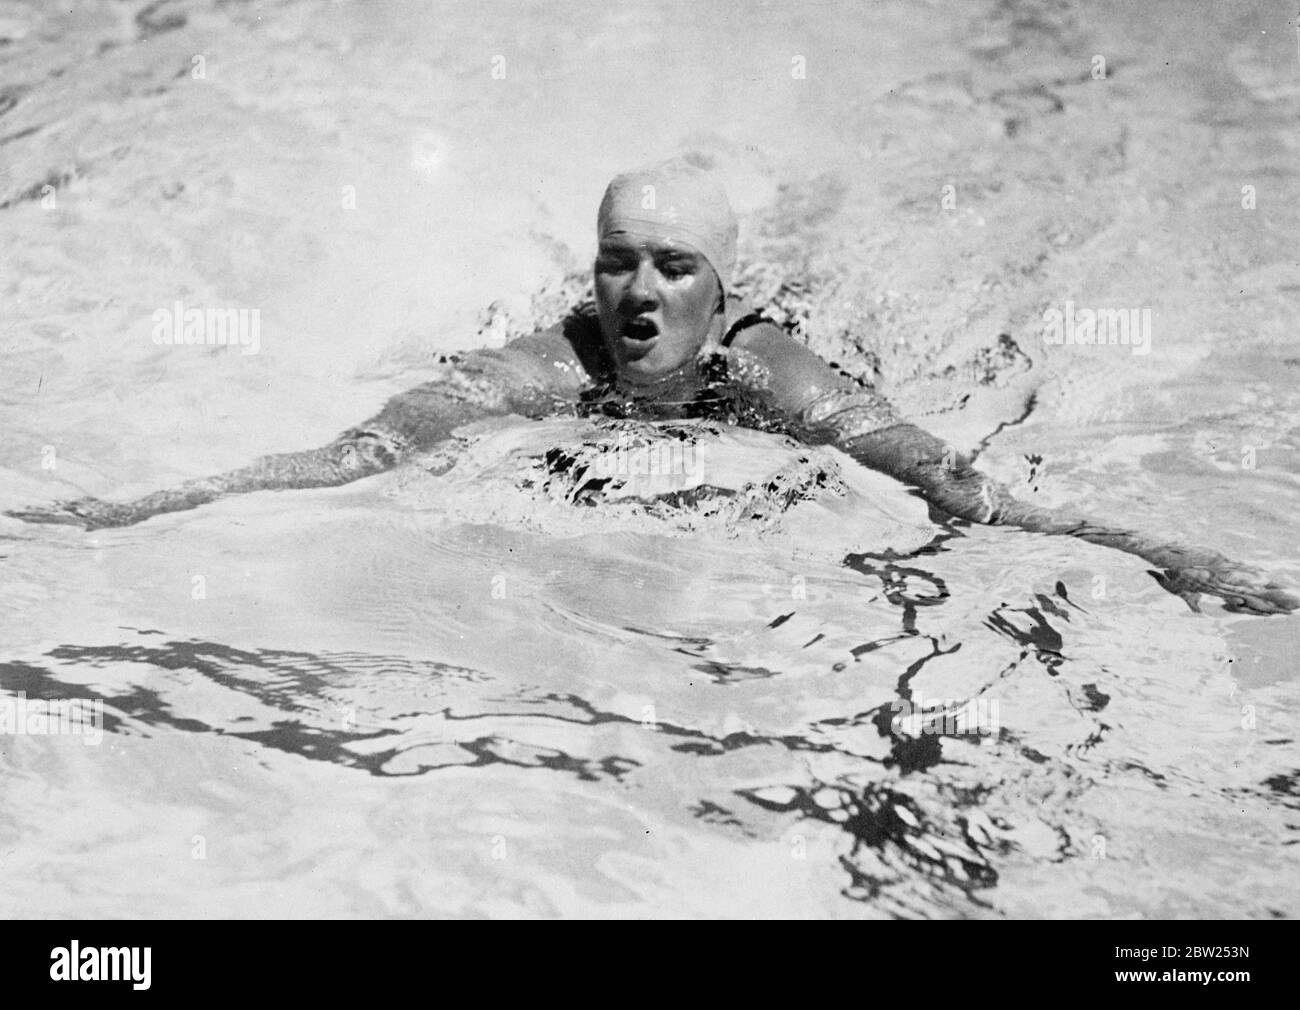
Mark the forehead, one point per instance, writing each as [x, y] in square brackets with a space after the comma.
[656, 246]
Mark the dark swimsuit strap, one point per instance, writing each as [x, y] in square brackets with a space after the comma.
[743, 323]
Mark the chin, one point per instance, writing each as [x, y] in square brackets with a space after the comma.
[653, 366]
[642, 371]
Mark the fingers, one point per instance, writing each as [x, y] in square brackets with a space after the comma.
[37, 515]
[1269, 600]
[61, 513]
[88, 513]
[1243, 589]
[1252, 590]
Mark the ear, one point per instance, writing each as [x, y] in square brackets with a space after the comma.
[717, 325]
[722, 292]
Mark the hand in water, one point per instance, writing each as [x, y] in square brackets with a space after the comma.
[1245, 589]
[352, 456]
[88, 513]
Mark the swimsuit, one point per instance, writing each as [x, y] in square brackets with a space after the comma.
[759, 376]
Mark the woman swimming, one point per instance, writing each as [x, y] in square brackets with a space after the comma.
[666, 339]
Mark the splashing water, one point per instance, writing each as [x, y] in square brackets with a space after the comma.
[487, 686]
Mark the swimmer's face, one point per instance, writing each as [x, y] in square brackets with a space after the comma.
[657, 300]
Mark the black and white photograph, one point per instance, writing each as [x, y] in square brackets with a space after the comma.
[650, 460]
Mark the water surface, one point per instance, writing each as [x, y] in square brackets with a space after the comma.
[368, 702]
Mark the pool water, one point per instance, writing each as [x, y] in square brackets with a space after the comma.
[420, 696]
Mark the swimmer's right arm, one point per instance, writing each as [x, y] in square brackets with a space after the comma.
[359, 452]
[353, 455]
[520, 378]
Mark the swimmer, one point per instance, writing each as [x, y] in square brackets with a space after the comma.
[665, 338]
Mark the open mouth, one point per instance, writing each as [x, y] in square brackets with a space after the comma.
[640, 328]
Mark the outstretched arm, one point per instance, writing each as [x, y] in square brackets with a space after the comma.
[832, 408]
[356, 453]
[521, 377]
[948, 480]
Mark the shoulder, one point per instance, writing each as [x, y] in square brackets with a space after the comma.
[757, 338]
[569, 353]
[787, 375]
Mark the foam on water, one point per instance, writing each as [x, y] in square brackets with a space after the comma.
[542, 682]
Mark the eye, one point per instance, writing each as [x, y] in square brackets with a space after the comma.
[676, 269]
[614, 263]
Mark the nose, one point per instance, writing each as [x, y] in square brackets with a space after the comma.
[642, 292]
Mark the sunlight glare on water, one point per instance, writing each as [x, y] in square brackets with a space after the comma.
[431, 695]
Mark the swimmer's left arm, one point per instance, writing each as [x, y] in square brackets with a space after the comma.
[829, 407]
[947, 479]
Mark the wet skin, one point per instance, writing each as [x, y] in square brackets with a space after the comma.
[658, 302]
